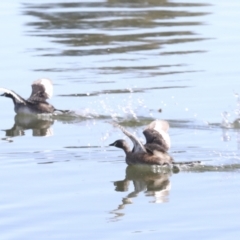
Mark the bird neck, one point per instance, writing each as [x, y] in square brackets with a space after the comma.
[15, 98]
[126, 148]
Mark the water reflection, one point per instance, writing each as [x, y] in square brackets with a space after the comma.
[40, 127]
[156, 184]
[116, 27]
[153, 183]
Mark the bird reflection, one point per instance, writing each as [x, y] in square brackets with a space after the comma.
[154, 183]
[147, 180]
[39, 126]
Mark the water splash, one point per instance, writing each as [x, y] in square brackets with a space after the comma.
[232, 120]
[129, 108]
[226, 123]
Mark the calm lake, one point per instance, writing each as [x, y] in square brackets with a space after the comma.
[130, 62]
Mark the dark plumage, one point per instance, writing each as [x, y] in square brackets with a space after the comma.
[42, 90]
[154, 152]
[150, 157]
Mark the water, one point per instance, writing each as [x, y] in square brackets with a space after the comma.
[129, 62]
